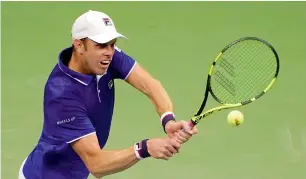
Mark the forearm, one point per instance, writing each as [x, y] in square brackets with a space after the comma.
[162, 102]
[144, 82]
[105, 162]
[159, 98]
[113, 162]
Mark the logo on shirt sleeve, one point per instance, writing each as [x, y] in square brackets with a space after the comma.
[65, 121]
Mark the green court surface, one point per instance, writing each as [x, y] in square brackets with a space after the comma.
[176, 42]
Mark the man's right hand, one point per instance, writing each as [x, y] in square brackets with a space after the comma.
[163, 148]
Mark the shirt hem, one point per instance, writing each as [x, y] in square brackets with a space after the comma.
[73, 140]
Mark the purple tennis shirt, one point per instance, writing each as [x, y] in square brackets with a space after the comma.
[75, 105]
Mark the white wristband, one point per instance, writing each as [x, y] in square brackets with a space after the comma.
[136, 148]
[165, 114]
[141, 149]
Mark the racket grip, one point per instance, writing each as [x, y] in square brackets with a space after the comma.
[190, 125]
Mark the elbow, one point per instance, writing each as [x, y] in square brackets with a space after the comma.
[100, 171]
[96, 173]
[97, 167]
[99, 176]
[97, 170]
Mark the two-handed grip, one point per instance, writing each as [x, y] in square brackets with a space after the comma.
[191, 125]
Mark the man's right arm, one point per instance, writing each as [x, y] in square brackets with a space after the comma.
[105, 162]
[101, 162]
[79, 132]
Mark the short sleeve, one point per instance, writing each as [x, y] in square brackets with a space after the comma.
[67, 120]
[122, 64]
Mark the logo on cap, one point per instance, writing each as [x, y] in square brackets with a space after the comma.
[107, 21]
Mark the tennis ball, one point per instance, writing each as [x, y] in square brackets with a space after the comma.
[235, 118]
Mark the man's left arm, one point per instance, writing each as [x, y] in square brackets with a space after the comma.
[140, 79]
[126, 68]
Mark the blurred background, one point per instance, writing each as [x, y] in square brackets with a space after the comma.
[176, 42]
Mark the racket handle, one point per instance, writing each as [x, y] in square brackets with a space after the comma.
[190, 125]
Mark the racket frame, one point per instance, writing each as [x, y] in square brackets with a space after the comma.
[200, 114]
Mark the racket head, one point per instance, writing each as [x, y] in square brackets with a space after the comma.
[243, 71]
[254, 54]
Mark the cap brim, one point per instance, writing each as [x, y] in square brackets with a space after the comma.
[106, 37]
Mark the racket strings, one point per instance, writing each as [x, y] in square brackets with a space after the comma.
[262, 65]
[243, 71]
[221, 79]
[255, 54]
[227, 66]
[262, 78]
[254, 75]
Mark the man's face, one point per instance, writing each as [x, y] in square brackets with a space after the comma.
[97, 57]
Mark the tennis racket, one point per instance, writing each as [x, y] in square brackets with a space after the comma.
[241, 73]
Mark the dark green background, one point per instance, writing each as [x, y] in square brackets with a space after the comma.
[176, 42]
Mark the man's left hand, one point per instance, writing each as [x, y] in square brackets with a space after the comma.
[174, 129]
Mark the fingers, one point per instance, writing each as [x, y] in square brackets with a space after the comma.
[163, 156]
[167, 155]
[182, 137]
[176, 144]
[167, 147]
[186, 127]
[170, 149]
[195, 131]
[186, 133]
[163, 148]
[178, 138]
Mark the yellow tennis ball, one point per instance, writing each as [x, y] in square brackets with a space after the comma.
[235, 118]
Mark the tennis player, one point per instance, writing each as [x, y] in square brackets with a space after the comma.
[78, 108]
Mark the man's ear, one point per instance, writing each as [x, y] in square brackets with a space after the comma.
[78, 46]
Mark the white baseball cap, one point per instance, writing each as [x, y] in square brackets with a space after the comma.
[96, 26]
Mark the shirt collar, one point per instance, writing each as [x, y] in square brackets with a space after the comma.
[65, 55]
